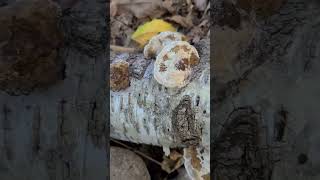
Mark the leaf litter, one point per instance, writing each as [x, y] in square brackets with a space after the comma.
[189, 17]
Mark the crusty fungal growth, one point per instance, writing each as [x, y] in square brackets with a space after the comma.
[119, 75]
[159, 41]
[174, 64]
[184, 123]
[29, 41]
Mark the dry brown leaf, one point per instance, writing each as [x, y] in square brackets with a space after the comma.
[121, 29]
[168, 5]
[199, 32]
[185, 22]
[141, 8]
[173, 162]
[195, 161]
[174, 155]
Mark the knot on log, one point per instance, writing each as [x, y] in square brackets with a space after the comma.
[29, 41]
[185, 126]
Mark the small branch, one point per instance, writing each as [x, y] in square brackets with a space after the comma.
[138, 152]
[122, 49]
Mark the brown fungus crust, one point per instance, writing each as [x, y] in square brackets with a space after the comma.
[119, 76]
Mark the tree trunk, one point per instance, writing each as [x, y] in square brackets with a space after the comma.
[59, 132]
[265, 119]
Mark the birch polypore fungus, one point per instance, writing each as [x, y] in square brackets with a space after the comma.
[174, 63]
[119, 75]
[159, 41]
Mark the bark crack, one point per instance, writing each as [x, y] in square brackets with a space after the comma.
[36, 124]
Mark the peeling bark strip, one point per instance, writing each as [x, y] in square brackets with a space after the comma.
[185, 126]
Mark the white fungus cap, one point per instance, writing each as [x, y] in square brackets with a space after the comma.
[174, 63]
[156, 43]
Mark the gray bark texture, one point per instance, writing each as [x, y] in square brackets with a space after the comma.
[58, 132]
[266, 97]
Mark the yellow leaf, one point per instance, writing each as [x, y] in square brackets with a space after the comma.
[146, 31]
[144, 38]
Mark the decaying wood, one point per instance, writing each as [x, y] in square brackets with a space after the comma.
[59, 132]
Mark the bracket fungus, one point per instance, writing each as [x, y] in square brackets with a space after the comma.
[174, 63]
[159, 41]
[175, 58]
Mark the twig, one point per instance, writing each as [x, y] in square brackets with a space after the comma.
[205, 11]
[138, 152]
[122, 49]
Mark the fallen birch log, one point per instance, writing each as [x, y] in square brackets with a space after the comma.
[147, 112]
